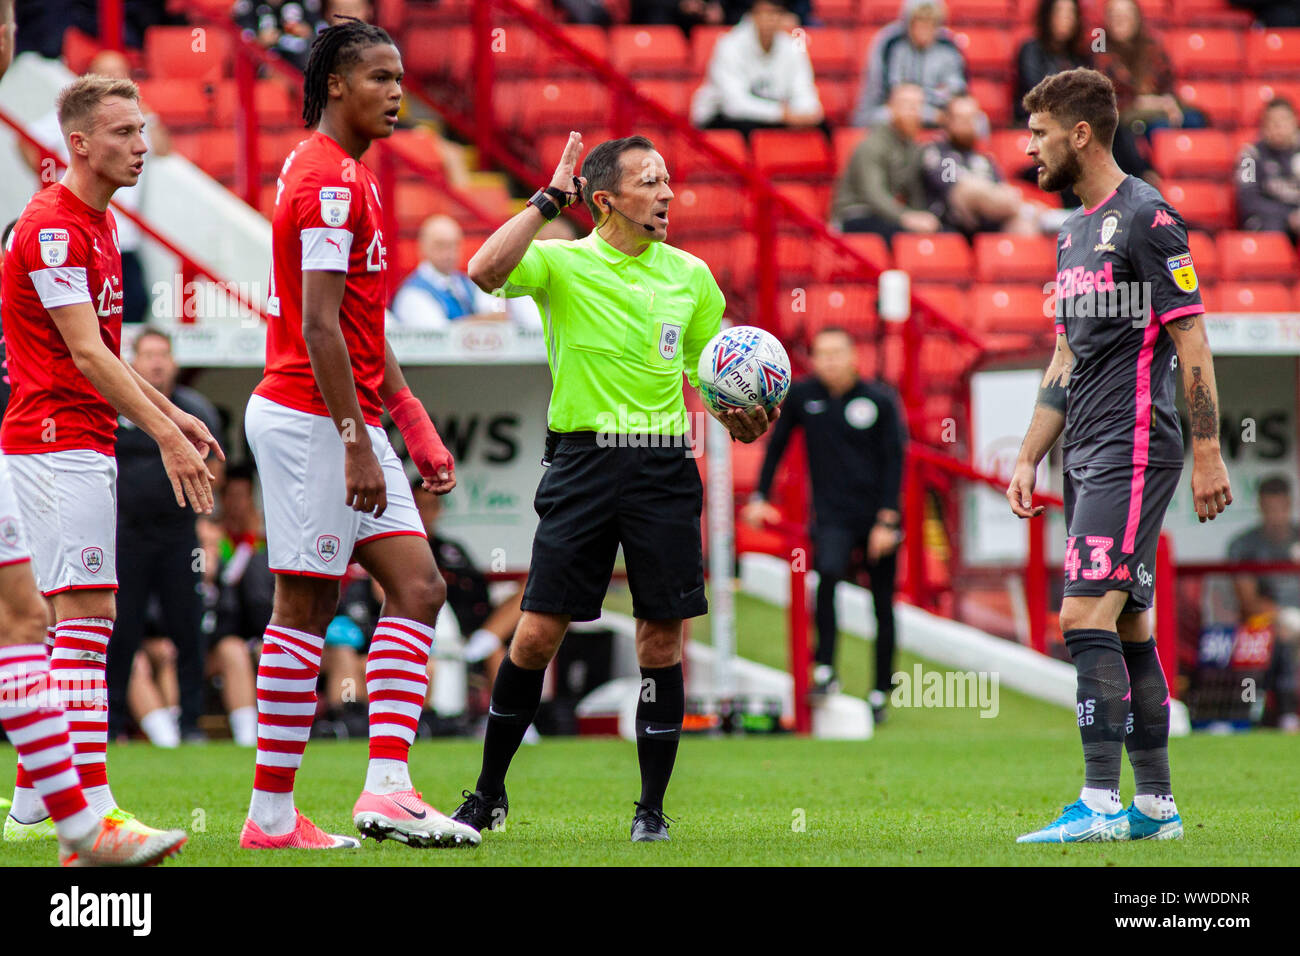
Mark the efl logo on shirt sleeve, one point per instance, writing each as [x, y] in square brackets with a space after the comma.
[1184, 273]
[54, 246]
[334, 205]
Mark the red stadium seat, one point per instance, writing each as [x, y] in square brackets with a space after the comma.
[1008, 149]
[1255, 255]
[791, 153]
[988, 50]
[994, 98]
[441, 50]
[1193, 153]
[217, 151]
[834, 52]
[1254, 97]
[939, 257]
[949, 300]
[815, 200]
[593, 40]
[78, 50]
[838, 98]
[844, 140]
[848, 305]
[872, 247]
[1203, 205]
[979, 11]
[706, 208]
[840, 12]
[794, 258]
[672, 95]
[650, 50]
[194, 53]
[1205, 256]
[1207, 13]
[1205, 52]
[272, 104]
[1006, 258]
[415, 202]
[1220, 100]
[689, 163]
[1010, 308]
[181, 103]
[703, 39]
[1254, 297]
[565, 103]
[1273, 52]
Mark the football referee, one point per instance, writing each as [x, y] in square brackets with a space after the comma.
[625, 315]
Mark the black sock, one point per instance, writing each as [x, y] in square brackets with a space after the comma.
[515, 696]
[1102, 705]
[659, 714]
[1148, 736]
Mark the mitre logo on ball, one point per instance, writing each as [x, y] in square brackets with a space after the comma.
[742, 367]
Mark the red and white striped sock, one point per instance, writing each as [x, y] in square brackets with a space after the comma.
[77, 667]
[38, 729]
[286, 707]
[397, 680]
[27, 804]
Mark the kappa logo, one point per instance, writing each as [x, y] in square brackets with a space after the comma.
[54, 246]
[93, 559]
[334, 205]
[1121, 573]
[327, 546]
[1162, 219]
[669, 337]
[1069, 240]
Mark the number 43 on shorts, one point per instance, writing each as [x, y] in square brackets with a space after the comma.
[1099, 564]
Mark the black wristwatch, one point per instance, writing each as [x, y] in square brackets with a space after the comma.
[550, 201]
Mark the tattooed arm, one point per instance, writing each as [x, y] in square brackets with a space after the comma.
[1211, 492]
[1044, 429]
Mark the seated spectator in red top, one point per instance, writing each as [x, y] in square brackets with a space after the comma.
[1268, 174]
[963, 186]
[1138, 66]
[1058, 44]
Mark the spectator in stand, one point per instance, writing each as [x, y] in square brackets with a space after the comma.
[682, 13]
[1138, 66]
[46, 131]
[758, 78]
[360, 9]
[1275, 596]
[1268, 174]
[437, 292]
[963, 186]
[917, 49]
[158, 560]
[485, 626]
[285, 26]
[1058, 44]
[855, 438]
[881, 189]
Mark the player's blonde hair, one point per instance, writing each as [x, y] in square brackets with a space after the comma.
[79, 100]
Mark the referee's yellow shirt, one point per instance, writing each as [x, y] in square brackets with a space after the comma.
[620, 330]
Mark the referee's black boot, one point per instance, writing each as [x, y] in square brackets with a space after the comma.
[480, 812]
[649, 825]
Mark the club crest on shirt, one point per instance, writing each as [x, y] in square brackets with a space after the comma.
[9, 530]
[327, 546]
[669, 338]
[93, 559]
[861, 413]
[54, 246]
[1184, 273]
[334, 205]
[1109, 226]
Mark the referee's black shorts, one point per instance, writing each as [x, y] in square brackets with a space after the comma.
[593, 498]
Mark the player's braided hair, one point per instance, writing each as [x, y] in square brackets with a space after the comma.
[334, 50]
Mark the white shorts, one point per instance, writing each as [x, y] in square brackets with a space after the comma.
[310, 529]
[68, 502]
[13, 542]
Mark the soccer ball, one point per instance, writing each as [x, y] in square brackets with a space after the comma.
[742, 367]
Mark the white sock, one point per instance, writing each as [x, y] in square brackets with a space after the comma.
[100, 799]
[481, 644]
[161, 729]
[272, 812]
[1101, 801]
[28, 806]
[243, 726]
[388, 776]
[1156, 806]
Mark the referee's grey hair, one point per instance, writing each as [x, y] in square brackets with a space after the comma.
[603, 170]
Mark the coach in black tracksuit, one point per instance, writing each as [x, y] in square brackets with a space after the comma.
[157, 547]
[855, 440]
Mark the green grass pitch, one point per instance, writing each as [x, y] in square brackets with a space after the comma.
[935, 787]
